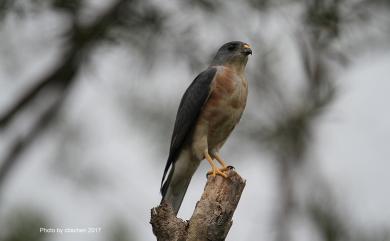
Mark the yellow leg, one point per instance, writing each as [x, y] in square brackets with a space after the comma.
[214, 171]
[221, 161]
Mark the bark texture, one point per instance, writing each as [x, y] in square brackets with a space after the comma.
[212, 217]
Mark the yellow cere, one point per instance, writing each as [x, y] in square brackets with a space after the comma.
[247, 46]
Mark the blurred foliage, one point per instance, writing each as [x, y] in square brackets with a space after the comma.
[71, 6]
[330, 226]
[4, 8]
[119, 231]
[260, 4]
[23, 224]
[282, 124]
[324, 19]
[328, 217]
[206, 5]
[71, 163]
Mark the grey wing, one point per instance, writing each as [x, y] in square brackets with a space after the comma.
[190, 106]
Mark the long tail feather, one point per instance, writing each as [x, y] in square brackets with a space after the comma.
[175, 187]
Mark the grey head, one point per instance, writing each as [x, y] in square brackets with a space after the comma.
[232, 53]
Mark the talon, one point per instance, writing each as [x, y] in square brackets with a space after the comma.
[230, 167]
[224, 169]
[214, 170]
[227, 168]
[217, 171]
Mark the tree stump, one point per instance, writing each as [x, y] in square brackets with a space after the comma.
[212, 217]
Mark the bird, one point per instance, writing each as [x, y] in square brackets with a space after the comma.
[208, 112]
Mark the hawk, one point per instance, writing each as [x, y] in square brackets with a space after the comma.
[208, 112]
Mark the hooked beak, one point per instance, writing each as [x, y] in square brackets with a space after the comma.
[247, 49]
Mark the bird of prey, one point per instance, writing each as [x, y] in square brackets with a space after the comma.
[208, 112]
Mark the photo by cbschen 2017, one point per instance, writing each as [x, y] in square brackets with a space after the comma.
[253, 120]
[70, 230]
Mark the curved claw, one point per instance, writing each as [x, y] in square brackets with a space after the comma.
[230, 168]
[226, 168]
[214, 169]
